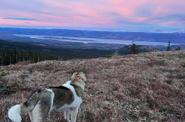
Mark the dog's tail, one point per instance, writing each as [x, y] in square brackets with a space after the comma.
[14, 113]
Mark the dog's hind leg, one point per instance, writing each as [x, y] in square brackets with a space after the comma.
[36, 114]
[47, 103]
[43, 107]
[40, 112]
[30, 115]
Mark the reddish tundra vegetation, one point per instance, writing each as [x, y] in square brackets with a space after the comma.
[144, 87]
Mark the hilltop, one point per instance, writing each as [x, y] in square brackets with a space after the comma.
[148, 86]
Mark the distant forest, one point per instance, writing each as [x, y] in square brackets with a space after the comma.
[13, 52]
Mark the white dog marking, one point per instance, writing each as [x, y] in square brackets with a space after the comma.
[36, 114]
[14, 113]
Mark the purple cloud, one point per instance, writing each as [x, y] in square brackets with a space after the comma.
[121, 15]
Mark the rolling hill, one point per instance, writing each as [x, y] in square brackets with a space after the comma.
[145, 87]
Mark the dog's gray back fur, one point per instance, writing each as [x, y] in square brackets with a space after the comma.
[42, 97]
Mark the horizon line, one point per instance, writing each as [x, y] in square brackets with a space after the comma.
[83, 29]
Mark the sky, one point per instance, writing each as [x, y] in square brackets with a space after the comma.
[109, 15]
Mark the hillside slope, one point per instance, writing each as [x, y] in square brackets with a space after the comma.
[144, 87]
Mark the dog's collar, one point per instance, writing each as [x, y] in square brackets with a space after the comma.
[78, 90]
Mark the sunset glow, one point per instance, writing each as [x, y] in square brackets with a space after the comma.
[111, 15]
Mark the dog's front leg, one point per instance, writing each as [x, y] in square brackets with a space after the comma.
[49, 116]
[74, 114]
[67, 115]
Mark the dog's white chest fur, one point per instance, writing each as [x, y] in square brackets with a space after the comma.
[77, 100]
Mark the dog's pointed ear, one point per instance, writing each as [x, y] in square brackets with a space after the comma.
[83, 76]
[74, 76]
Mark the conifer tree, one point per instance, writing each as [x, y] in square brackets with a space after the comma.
[169, 46]
[134, 49]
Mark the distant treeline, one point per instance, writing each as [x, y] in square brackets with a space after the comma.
[13, 52]
[12, 56]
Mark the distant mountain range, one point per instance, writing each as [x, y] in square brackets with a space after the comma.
[134, 36]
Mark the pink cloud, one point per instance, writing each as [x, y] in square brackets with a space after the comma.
[88, 13]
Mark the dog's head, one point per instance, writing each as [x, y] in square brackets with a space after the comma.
[79, 79]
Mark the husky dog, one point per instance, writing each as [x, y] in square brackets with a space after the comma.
[65, 98]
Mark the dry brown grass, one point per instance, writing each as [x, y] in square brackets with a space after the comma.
[145, 87]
